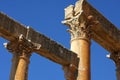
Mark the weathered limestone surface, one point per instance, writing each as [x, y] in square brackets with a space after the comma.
[80, 31]
[70, 72]
[52, 50]
[104, 32]
[11, 30]
[85, 22]
[21, 50]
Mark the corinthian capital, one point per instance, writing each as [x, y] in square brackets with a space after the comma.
[78, 22]
[21, 47]
[79, 28]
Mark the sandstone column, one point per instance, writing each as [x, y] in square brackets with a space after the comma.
[80, 44]
[21, 50]
[79, 25]
[21, 71]
[115, 56]
[14, 66]
[13, 49]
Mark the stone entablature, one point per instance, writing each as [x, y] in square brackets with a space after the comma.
[11, 30]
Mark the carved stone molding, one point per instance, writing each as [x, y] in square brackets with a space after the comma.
[21, 47]
[79, 28]
[78, 23]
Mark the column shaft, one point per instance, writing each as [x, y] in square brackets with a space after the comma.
[14, 66]
[21, 49]
[22, 69]
[82, 48]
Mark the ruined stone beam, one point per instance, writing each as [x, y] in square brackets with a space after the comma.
[105, 33]
[11, 30]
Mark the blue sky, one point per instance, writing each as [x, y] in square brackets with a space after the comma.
[45, 16]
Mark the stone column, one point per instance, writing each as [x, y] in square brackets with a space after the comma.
[115, 56]
[14, 66]
[13, 49]
[21, 50]
[21, 71]
[80, 43]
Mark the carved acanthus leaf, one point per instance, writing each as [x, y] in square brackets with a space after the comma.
[79, 27]
[21, 47]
